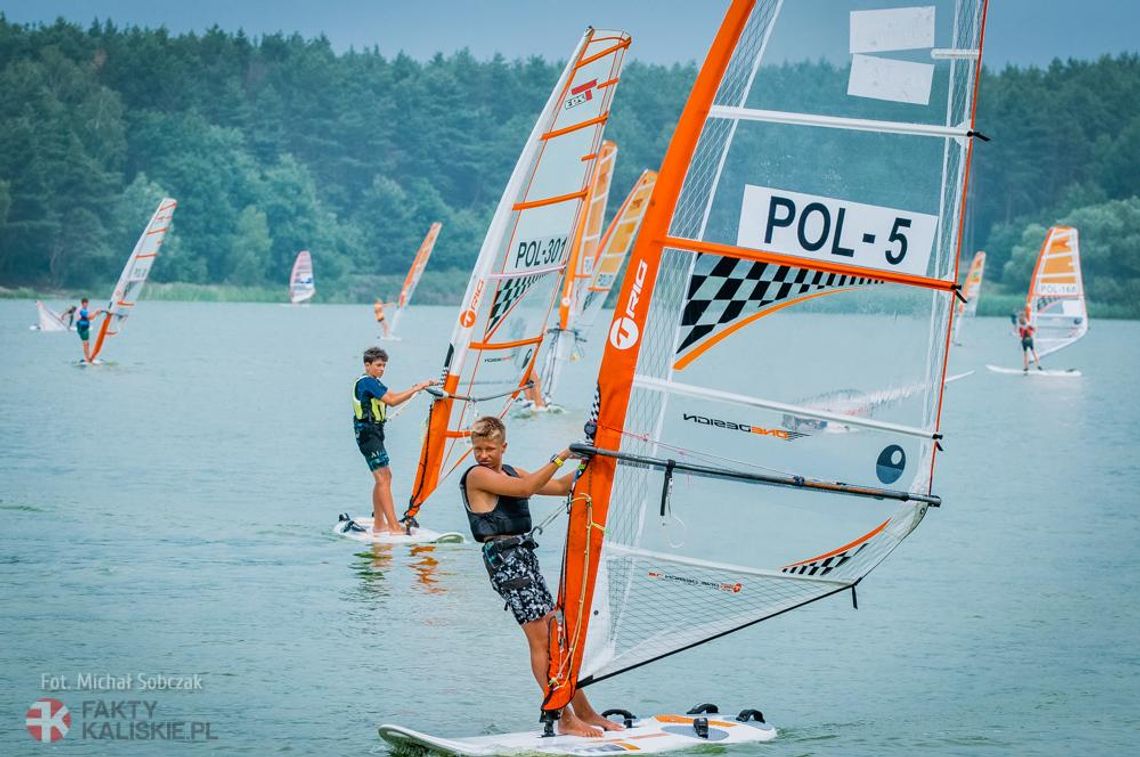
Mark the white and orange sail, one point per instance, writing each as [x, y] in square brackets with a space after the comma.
[134, 275]
[803, 237]
[1056, 303]
[515, 284]
[561, 344]
[612, 251]
[415, 273]
[301, 284]
[967, 307]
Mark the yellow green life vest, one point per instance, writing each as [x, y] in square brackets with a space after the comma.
[378, 412]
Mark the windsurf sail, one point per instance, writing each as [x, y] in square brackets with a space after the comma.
[419, 263]
[971, 291]
[301, 284]
[803, 237]
[1056, 301]
[561, 345]
[515, 283]
[613, 249]
[134, 275]
[49, 320]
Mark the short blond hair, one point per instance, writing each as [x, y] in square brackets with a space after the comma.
[489, 427]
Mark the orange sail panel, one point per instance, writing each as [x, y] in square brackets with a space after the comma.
[134, 275]
[802, 239]
[515, 284]
[1056, 302]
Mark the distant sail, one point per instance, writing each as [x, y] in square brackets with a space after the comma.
[971, 292]
[614, 247]
[301, 284]
[1056, 301]
[562, 344]
[49, 320]
[415, 273]
[802, 238]
[514, 286]
[134, 275]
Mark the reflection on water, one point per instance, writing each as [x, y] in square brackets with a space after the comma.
[375, 565]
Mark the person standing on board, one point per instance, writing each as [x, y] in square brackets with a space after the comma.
[1025, 331]
[83, 327]
[497, 499]
[370, 402]
[378, 309]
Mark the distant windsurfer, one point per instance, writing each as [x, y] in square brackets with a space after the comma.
[1026, 331]
[497, 499]
[370, 402]
[381, 321]
[83, 327]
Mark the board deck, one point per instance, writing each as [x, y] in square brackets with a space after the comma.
[418, 535]
[660, 733]
[1048, 373]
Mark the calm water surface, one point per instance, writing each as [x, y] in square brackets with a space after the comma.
[169, 514]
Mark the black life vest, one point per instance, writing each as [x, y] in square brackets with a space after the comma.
[511, 515]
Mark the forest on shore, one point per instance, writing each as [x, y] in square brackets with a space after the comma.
[277, 144]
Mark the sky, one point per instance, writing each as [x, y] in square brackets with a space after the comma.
[1020, 32]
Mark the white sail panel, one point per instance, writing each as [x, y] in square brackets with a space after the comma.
[1056, 303]
[301, 284]
[515, 283]
[802, 239]
[49, 320]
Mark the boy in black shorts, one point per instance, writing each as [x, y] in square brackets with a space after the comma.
[370, 402]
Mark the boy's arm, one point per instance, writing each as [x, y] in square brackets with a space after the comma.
[558, 487]
[391, 398]
[484, 479]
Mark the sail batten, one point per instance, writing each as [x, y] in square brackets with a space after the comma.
[802, 242]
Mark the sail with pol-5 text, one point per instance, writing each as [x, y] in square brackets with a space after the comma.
[802, 238]
[130, 284]
[491, 359]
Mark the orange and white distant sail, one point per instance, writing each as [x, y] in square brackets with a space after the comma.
[1056, 301]
[967, 307]
[134, 275]
[415, 273]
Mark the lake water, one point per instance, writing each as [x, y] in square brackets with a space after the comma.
[169, 514]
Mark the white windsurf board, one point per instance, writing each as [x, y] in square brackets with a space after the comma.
[660, 733]
[1044, 373]
[363, 533]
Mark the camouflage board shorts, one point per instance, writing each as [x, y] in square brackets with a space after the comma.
[515, 576]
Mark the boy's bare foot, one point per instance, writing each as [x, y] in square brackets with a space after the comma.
[571, 725]
[603, 723]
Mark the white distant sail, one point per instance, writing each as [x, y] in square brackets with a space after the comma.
[49, 320]
[802, 238]
[501, 325]
[134, 275]
[415, 273]
[1056, 302]
[301, 284]
[971, 292]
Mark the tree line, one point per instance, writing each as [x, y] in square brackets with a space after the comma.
[277, 144]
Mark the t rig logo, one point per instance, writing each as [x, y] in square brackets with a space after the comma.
[624, 331]
[778, 433]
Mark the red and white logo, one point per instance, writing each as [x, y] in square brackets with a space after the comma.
[583, 93]
[467, 318]
[47, 720]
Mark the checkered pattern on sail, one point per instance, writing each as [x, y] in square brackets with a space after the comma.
[724, 289]
[510, 292]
